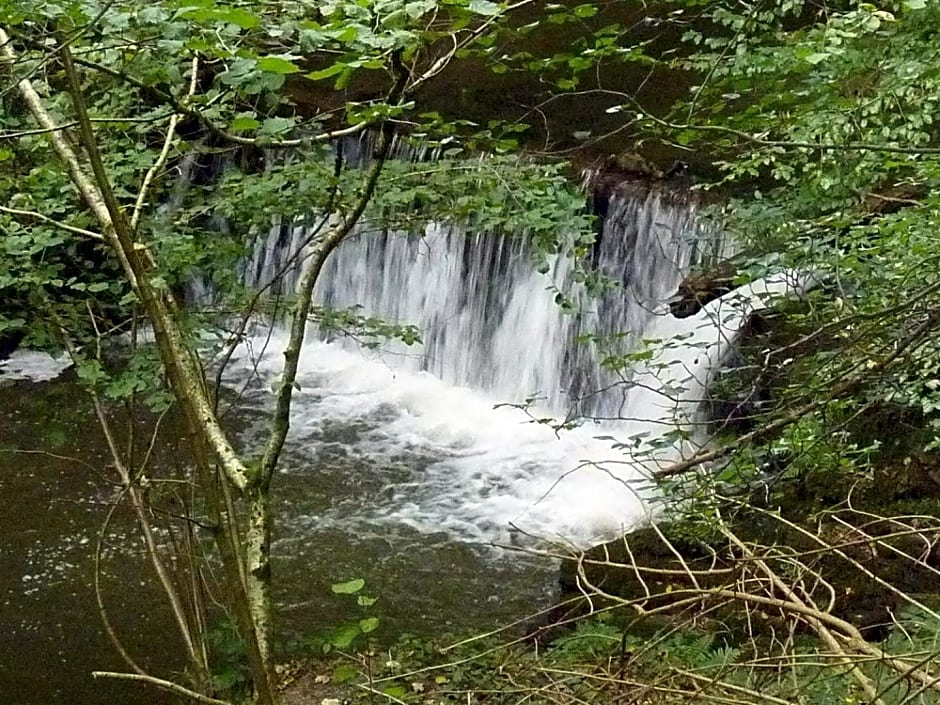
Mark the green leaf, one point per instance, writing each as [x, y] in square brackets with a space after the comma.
[366, 601]
[276, 126]
[345, 672]
[244, 122]
[327, 72]
[485, 7]
[56, 437]
[218, 15]
[240, 17]
[395, 691]
[225, 679]
[277, 64]
[369, 624]
[345, 635]
[90, 372]
[585, 11]
[350, 587]
[13, 323]
[817, 57]
[915, 4]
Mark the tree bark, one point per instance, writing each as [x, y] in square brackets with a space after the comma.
[179, 361]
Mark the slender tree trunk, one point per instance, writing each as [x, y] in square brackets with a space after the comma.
[236, 583]
[179, 361]
[258, 536]
[258, 562]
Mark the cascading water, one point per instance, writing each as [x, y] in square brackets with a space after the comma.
[429, 425]
[399, 459]
[492, 334]
[488, 320]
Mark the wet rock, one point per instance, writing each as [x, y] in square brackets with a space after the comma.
[890, 198]
[631, 164]
[627, 176]
[679, 173]
[702, 287]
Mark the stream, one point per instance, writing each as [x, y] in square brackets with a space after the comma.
[54, 474]
[416, 469]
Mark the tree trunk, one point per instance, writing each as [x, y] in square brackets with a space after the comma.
[178, 359]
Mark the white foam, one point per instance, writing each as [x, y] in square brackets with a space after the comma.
[492, 333]
[33, 365]
[494, 468]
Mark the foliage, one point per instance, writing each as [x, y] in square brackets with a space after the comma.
[816, 127]
[254, 65]
[820, 125]
[230, 673]
[821, 122]
[148, 148]
[343, 636]
[187, 130]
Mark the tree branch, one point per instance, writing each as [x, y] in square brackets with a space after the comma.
[786, 144]
[165, 152]
[163, 684]
[69, 125]
[215, 127]
[841, 389]
[317, 258]
[138, 503]
[52, 221]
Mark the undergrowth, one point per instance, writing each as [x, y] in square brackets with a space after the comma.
[600, 659]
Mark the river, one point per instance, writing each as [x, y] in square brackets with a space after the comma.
[57, 485]
[404, 467]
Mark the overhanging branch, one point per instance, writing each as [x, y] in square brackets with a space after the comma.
[135, 259]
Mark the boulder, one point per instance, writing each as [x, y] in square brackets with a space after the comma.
[702, 287]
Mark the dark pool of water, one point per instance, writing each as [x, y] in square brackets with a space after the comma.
[56, 484]
[52, 471]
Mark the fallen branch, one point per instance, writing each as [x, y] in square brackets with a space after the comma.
[162, 684]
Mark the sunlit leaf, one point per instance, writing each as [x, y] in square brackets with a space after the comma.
[277, 64]
[344, 673]
[344, 636]
[370, 624]
[350, 587]
[485, 7]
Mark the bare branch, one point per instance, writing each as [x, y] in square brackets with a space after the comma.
[165, 152]
[52, 221]
[162, 684]
[839, 390]
[787, 144]
[69, 125]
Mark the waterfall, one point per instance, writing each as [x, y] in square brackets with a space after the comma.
[431, 421]
[488, 320]
[456, 434]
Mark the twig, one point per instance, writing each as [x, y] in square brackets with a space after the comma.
[817, 624]
[165, 152]
[841, 389]
[163, 684]
[373, 691]
[52, 221]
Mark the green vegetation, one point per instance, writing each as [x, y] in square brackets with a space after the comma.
[816, 127]
[104, 104]
[597, 662]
